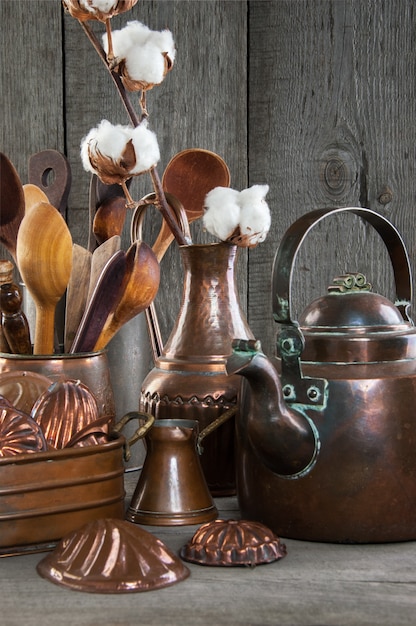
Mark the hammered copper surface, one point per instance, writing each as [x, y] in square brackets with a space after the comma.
[189, 379]
[233, 542]
[362, 486]
[112, 556]
[172, 489]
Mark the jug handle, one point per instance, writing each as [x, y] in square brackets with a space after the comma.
[139, 433]
[214, 425]
[159, 250]
[295, 235]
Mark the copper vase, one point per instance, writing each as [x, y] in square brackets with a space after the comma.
[189, 380]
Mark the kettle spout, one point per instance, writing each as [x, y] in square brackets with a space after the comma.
[283, 438]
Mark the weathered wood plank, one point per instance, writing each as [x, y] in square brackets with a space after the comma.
[331, 123]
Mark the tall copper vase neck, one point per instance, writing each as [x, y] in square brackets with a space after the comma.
[210, 314]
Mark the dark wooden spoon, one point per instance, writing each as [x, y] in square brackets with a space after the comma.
[12, 204]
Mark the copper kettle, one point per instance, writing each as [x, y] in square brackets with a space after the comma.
[348, 369]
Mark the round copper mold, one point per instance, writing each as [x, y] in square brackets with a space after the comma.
[19, 433]
[233, 542]
[23, 388]
[112, 556]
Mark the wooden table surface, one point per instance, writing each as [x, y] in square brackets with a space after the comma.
[315, 584]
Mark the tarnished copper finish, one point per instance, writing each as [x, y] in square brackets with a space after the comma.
[189, 379]
[112, 556]
[350, 369]
[46, 495]
[65, 408]
[172, 490]
[91, 368]
[22, 388]
[233, 542]
[19, 433]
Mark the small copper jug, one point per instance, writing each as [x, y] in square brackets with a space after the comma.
[172, 489]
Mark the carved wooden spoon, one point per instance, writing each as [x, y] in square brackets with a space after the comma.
[12, 204]
[33, 196]
[44, 258]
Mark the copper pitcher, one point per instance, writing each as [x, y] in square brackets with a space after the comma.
[172, 489]
[189, 380]
[348, 369]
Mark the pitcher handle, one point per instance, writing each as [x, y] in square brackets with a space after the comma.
[296, 233]
[139, 433]
[135, 234]
[224, 417]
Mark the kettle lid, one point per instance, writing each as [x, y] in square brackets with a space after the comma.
[349, 305]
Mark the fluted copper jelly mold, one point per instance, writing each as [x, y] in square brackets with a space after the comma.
[233, 542]
[112, 556]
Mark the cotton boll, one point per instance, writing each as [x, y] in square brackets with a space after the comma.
[102, 5]
[163, 40]
[145, 65]
[133, 35]
[222, 212]
[255, 217]
[109, 140]
[121, 41]
[146, 148]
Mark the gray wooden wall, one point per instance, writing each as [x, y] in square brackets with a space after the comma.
[314, 97]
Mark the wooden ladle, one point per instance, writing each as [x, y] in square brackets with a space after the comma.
[12, 204]
[189, 176]
[139, 288]
[44, 258]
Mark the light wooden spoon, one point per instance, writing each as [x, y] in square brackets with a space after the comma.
[44, 258]
[33, 196]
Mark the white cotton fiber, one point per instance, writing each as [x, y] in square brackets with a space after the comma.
[146, 148]
[255, 217]
[222, 212]
[145, 65]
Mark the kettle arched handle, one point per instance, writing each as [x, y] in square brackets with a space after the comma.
[292, 240]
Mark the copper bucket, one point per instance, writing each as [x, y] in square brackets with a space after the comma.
[91, 368]
[172, 489]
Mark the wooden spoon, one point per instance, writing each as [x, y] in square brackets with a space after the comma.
[103, 300]
[139, 288]
[77, 292]
[50, 171]
[12, 204]
[33, 196]
[100, 256]
[109, 218]
[189, 176]
[44, 258]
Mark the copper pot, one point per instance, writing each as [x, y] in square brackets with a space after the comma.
[91, 368]
[189, 380]
[348, 368]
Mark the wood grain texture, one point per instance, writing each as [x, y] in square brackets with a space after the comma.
[314, 97]
[331, 123]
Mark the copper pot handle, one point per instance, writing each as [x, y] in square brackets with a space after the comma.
[139, 433]
[296, 233]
